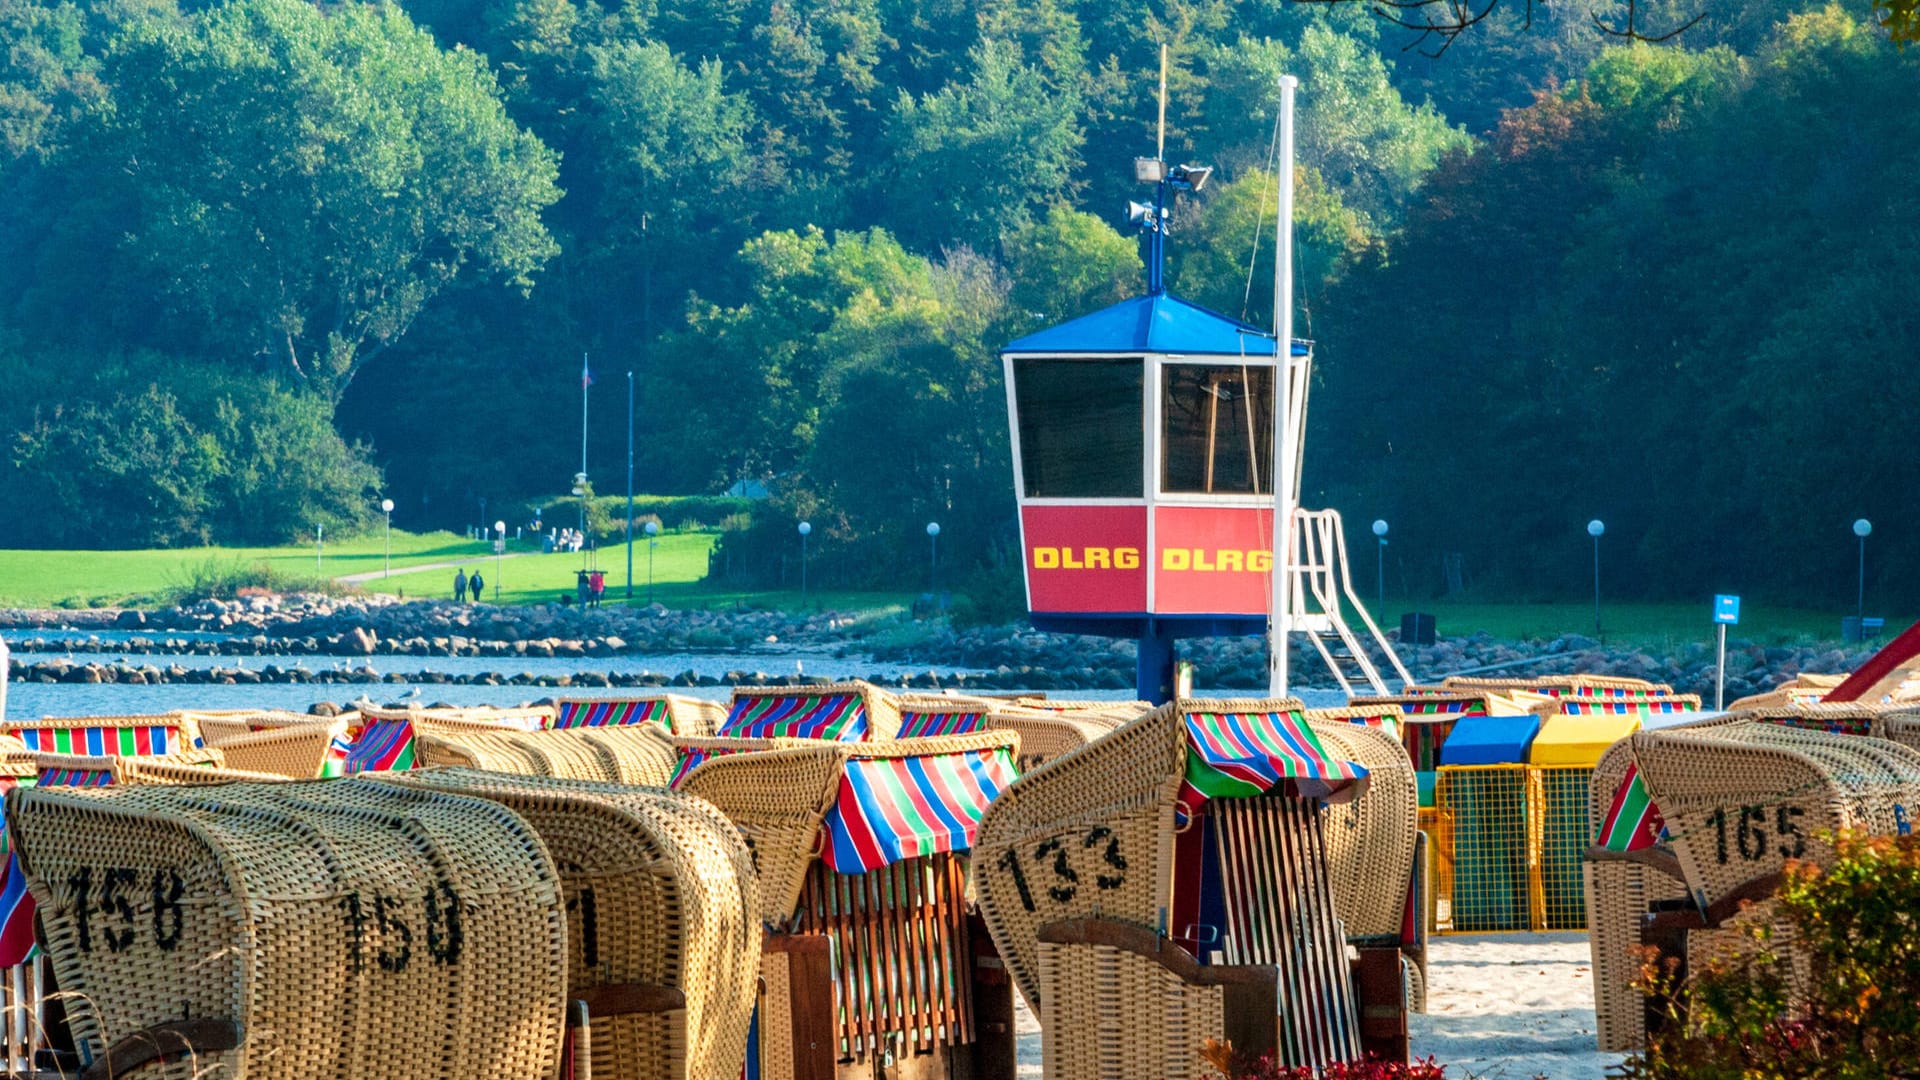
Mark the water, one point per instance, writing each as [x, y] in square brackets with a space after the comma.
[714, 665]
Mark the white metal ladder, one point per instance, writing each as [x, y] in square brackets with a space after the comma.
[1320, 590]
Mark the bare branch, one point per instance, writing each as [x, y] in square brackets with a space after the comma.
[1632, 32]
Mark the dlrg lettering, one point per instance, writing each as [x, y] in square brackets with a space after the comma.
[1257, 561]
[1089, 558]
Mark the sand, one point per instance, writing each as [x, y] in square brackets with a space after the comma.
[1511, 1007]
[1503, 1007]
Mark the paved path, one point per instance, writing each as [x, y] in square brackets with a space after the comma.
[376, 575]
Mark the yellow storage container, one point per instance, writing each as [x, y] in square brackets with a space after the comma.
[1579, 740]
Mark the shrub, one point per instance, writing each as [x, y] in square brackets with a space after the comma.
[1853, 1012]
[1221, 1058]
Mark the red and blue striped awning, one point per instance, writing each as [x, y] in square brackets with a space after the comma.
[1238, 755]
[616, 713]
[836, 717]
[915, 725]
[890, 809]
[136, 741]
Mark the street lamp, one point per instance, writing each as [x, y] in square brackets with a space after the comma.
[499, 548]
[1380, 565]
[933, 557]
[1594, 529]
[652, 530]
[1861, 528]
[386, 507]
[806, 530]
[319, 542]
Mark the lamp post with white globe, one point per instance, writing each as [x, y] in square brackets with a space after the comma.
[1594, 529]
[933, 557]
[499, 550]
[1380, 565]
[1861, 529]
[386, 507]
[652, 530]
[806, 530]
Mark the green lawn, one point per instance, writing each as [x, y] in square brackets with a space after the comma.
[679, 564]
[103, 578]
[43, 578]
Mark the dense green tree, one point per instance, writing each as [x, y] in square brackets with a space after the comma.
[296, 185]
[1069, 263]
[973, 156]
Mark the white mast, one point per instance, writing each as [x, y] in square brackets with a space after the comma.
[1286, 443]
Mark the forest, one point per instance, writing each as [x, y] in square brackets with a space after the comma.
[264, 263]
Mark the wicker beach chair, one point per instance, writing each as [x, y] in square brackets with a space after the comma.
[874, 959]
[1372, 843]
[296, 751]
[385, 739]
[217, 727]
[163, 733]
[1578, 685]
[293, 930]
[676, 713]
[83, 770]
[1167, 884]
[926, 715]
[640, 754]
[1046, 734]
[837, 712]
[661, 898]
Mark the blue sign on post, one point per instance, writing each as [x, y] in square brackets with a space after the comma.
[1726, 609]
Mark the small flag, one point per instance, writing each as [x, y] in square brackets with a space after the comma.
[586, 373]
[1633, 822]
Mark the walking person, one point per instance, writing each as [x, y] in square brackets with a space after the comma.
[597, 582]
[459, 586]
[477, 584]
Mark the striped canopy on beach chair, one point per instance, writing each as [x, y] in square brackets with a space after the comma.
[144, 739]
[838, 712]
[895, 808]
[1243, 754]
[611, 713]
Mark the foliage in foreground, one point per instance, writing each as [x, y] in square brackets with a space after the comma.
[1221, 1058]
[1855, 1015]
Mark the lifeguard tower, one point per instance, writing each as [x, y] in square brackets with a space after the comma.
[1144, 443]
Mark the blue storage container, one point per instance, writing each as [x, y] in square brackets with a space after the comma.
[1490, 740]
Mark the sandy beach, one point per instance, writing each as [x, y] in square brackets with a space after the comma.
[1503, 1007]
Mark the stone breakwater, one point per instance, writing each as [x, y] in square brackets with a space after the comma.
[94, 673]
[1011, 656]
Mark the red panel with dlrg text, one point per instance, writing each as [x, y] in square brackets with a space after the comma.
[1086, 559]
[1212, 560]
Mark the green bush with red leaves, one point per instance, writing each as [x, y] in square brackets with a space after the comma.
[1856, 1014]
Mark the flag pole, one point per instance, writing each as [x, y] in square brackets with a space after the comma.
[1286, 444]
[629, 487]
[586, 380]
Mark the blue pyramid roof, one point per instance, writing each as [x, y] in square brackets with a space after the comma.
[1157, 323]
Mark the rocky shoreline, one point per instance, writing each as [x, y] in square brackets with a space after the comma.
[1007, 657]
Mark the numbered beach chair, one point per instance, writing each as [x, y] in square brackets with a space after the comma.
[662, 934]
[292, 930]
[873, 964]
[675, 713]
[1169, 884]
[1739, 798]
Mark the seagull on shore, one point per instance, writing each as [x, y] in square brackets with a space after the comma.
[413, 693]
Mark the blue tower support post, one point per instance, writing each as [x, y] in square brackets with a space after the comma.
[1153, 670]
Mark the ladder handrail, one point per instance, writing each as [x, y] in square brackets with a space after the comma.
[1320, 570]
